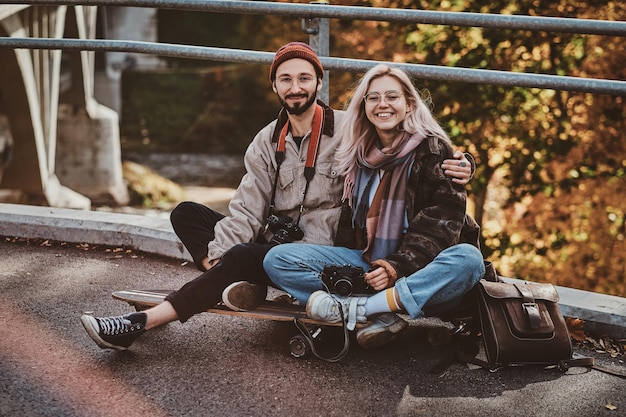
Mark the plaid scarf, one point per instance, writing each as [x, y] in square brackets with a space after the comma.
[383, 220]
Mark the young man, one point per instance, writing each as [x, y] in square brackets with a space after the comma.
[290, 192]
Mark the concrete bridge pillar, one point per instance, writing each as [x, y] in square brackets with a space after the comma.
[65, 146]
[88, 157]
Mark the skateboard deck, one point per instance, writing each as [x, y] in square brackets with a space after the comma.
[268, 310]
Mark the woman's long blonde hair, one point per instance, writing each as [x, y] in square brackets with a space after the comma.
[356, 128]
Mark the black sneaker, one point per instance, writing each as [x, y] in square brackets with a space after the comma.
[117, 332]
[243, 296]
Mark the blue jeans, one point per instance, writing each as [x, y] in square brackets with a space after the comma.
[434, 289]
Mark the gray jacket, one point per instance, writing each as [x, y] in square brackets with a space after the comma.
[250, 205]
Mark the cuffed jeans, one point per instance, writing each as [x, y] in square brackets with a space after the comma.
[434, 289]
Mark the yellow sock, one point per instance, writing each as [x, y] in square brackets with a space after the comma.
[392, 301]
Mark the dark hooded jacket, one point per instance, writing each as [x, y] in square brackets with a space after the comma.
[435, 208]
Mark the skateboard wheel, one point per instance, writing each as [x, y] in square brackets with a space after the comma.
[299, 346]
[439, 337]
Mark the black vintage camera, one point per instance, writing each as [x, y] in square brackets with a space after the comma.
[345, 280]
[284, 229]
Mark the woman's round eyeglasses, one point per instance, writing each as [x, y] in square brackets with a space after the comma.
[390, 97]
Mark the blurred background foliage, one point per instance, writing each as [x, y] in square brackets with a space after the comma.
[551, 164]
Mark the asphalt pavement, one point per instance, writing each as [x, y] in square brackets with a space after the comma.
[217, 365]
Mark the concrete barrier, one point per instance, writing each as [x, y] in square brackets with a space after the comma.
[148, 234]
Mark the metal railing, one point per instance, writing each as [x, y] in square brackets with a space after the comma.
[315, 23]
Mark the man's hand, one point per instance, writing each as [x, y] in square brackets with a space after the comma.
[460, 168]
[209, 264]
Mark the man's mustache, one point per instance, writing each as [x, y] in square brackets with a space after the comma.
[295, 96]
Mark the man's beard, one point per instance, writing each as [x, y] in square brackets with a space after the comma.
[298, 109]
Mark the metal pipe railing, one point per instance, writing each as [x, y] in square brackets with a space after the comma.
[517, 22]
[315, 22]
[434, 72]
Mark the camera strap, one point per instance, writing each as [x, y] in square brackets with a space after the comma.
[311, 156]
[306, 334]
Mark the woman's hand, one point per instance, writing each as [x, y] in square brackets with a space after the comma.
[460, 169]
[377, 278]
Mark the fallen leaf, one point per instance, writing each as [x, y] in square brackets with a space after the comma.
[575, 327]
[611, 407]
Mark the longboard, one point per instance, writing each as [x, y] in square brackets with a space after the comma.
[439, 334]
[268, 310]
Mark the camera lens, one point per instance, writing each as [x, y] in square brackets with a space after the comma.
[343, 286]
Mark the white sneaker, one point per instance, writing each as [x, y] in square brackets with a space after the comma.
[384, 328]
[329, 307]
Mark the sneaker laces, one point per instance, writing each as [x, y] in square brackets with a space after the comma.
[117, 325]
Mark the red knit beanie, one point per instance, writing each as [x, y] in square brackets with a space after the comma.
[296, 50]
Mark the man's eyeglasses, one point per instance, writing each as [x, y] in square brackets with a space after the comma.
[287, 82]
[391, 97]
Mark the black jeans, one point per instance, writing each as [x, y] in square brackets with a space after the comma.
[243, 262]
[194, 225]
